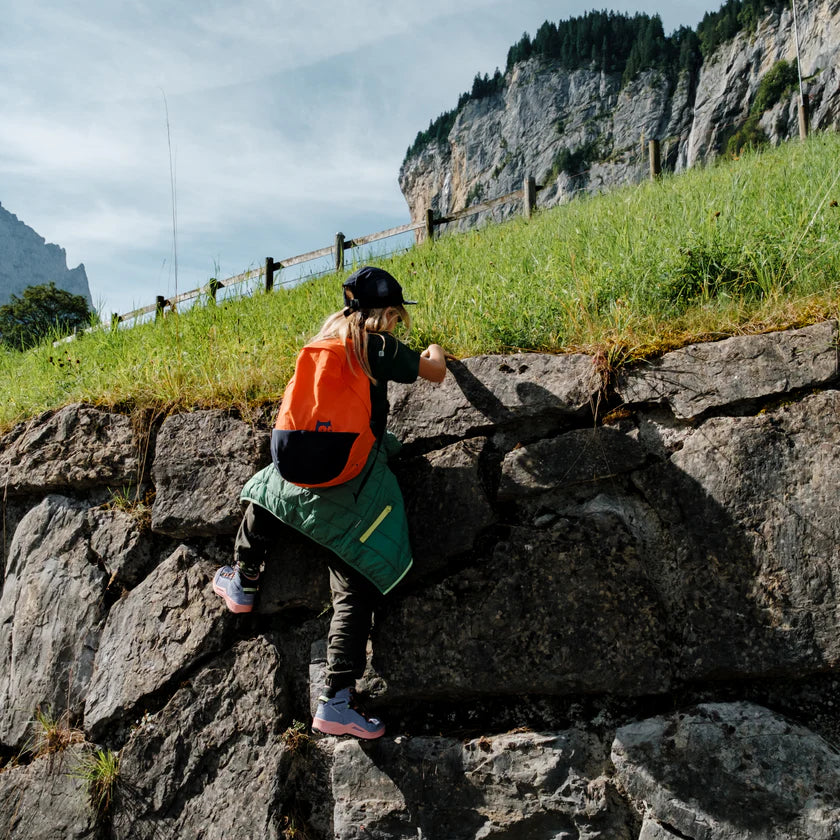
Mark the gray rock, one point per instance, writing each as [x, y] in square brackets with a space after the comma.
[76, 448]
[548, 613]
[517, 785]
[13, 511]
[213, 757]
[446, 502]
[730, 772]
[735, 371]
[46, 800]
[202, 460]
[577, 459]
[120, 544]
[51, 615]
[654, 830]
[497, 141]
[295, 575]
[153, 635]
[529, 394]
[766, 484]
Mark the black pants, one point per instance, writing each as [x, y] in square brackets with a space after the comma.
[354, 597]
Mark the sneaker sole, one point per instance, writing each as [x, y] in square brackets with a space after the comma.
[232, 605]
[333, 728]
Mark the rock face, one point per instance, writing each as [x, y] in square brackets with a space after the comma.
[28, 260]
[496, 142]
[622, 626]
[696, 773]
[51, 615]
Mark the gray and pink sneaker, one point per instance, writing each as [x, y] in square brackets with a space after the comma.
[237, 589]
[339, 716]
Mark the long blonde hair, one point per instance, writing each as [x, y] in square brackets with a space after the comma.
[353, 330]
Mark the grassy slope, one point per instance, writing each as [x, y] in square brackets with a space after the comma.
[742, 246]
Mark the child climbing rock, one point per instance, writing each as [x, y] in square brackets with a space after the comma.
[329, 479]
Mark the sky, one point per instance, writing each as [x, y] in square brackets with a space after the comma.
[273, 123]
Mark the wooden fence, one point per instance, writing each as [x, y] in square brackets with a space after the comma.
[424, 229]
[527, 195]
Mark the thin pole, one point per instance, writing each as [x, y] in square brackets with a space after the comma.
[803, 108]
[172, 190]
[798, 61]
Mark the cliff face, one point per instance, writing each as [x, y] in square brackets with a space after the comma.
[28, 260]
[620, 628]
[498, 141]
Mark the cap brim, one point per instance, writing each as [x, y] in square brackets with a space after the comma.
[409, 302]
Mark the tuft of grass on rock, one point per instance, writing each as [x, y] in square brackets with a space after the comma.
[52, 734]
[100, 772]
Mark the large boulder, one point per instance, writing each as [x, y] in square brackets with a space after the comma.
[517, 785]
[47, 799]
[153, 635]
[574, 463]
[549, 612]
[75, 448]
[121, 545]
[734, 520]
[735, 372]
[447, 503]
[202, 461]
[747, 551]
[213, 756]
[52, 610]
[525, 395]
[730, 772]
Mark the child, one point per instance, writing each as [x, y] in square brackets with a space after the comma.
[362, 520]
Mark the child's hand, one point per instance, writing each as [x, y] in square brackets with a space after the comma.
[433, 363]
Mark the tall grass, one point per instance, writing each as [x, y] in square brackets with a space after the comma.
[740, 246]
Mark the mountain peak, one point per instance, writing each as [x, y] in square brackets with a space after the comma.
[27, 259]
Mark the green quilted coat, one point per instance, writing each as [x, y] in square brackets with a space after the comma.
[362, 521]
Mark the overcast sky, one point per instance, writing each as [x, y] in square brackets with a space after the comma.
[288, 121]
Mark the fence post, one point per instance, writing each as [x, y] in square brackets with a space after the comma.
[270, 265]
[803, 116]
[430, 224]
[529, 196]
[339, 252]
[160, 303]
[115, 321]
[215, 285]
[655, 159]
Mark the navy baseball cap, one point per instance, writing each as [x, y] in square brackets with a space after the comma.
[372, 288]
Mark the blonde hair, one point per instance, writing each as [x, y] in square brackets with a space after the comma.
[353, 331]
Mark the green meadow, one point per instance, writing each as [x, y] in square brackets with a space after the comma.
[741, 246]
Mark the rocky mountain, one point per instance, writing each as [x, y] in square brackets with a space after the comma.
[585, 131]
[27, 259]
[621, 624]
